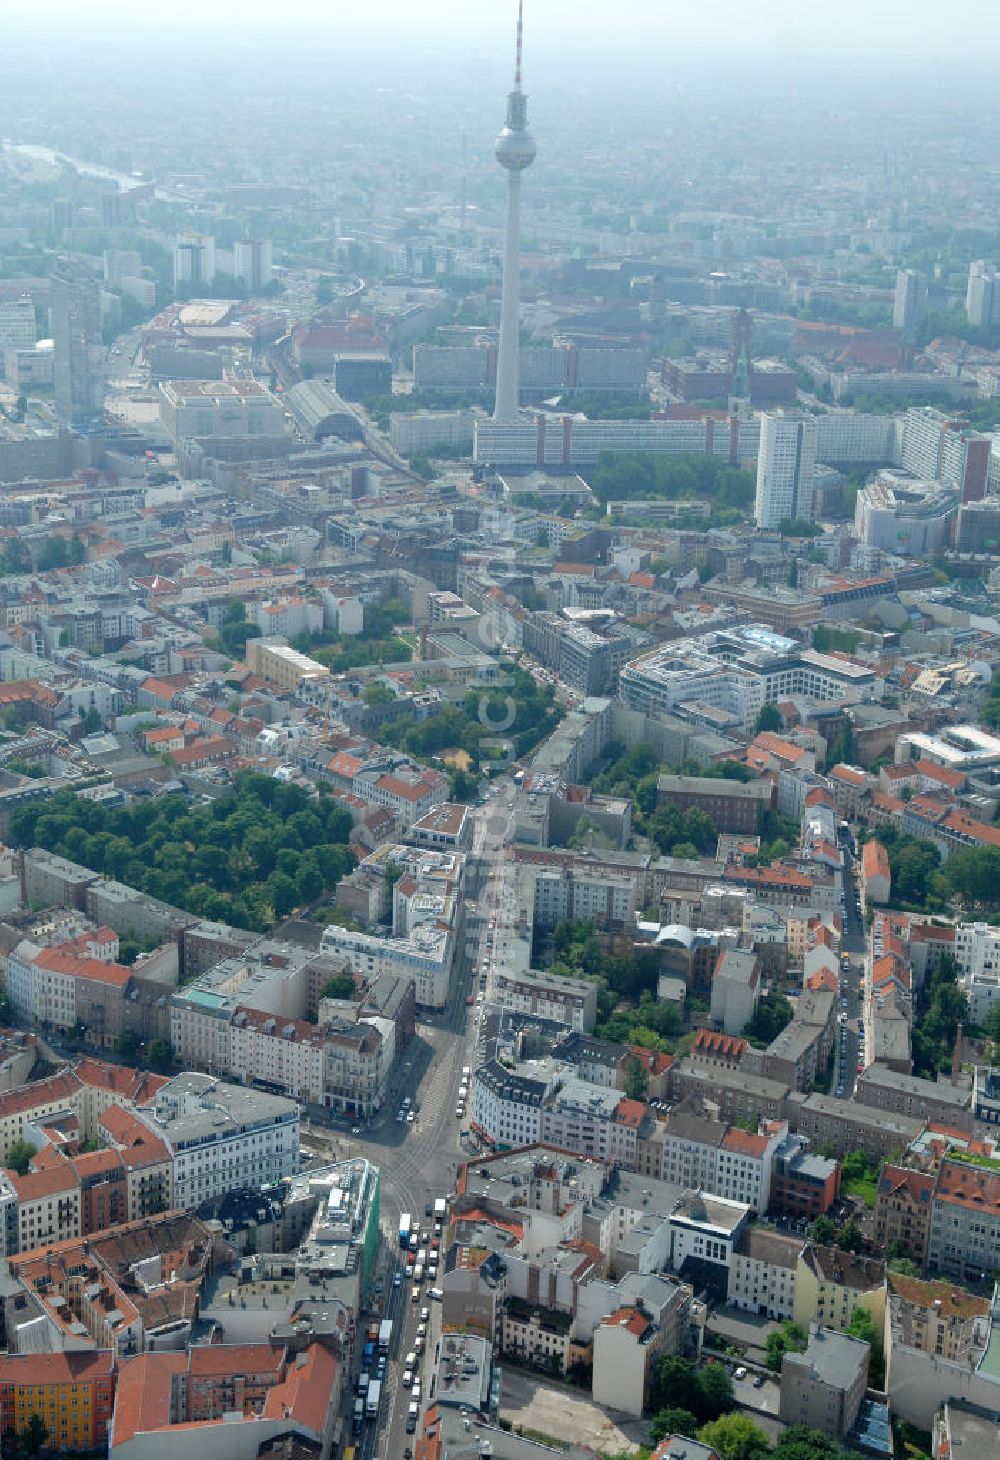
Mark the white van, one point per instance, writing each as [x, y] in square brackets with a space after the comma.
[407, 1378]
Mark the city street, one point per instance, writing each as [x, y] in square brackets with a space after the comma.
[852, 974]
[419, 1161]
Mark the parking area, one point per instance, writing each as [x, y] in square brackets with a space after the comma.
[727, 1325]
[765, 1399]
[564, 1414]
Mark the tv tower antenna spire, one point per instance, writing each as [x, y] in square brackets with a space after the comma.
[520, 44]
[515, 150]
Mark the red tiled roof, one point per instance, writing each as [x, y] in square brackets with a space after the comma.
[657, 1062]
[56, 961]
[631, 1318]
[979, 831]
[630, 1112]
[743, 1142]
[79, 1366]
[51, 1091]
[875, 860]
[931, 771]
[711, 1041]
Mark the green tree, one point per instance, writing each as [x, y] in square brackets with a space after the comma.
[341, 986]
[824, 1231]
[35, 1435]
[734, 1437]
[716, 1386]
[905, 1266]
[378, 694]
[675, 1385]
[127, 1044]
[789, 1338]
[772, 1014]
[636, 1084]
[973, 874]
[19, 1157]
[862, 1326]
[768, 718]
[799, 1442]
[160, 1054]
[308, 881]
[673, 1421]
[282, 892]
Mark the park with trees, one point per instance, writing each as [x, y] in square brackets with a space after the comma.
[249, 858]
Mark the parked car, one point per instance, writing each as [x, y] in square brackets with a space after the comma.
[741, 1372]
[758, 1381]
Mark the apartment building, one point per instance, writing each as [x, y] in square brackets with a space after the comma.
[222, 1136]
[723, 1160]
[626, 1348]
[803, 1183]
[964, 1238]
[569, 1001]
[704, 1231]
[910, 1096]
[427, 919]
[691, 1145]
[903, 1210]
[606, 900]
[425, 955]
[72, 1393]
[507, 1105]
[801, 1051]
[736, 987]
[60, 987]
[732, 806]
[938, 1342]
[41, 1206]
[762, 1276]
[823, 1387]
[736, 1095]
[830, 1285]
[145, 1160]
[267, 1395]
[848, 1126]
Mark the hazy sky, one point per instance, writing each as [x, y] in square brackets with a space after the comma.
[781, 29]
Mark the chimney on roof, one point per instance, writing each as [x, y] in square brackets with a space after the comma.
[956, 1055]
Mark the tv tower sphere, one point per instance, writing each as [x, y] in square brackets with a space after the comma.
[515, 147]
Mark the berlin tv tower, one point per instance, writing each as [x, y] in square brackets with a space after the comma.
[515, 150]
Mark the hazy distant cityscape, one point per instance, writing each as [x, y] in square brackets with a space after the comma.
[499, 733]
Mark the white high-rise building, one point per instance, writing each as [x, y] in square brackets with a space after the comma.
[910, 300]
[785, 466]
[253, 263]
[515, 150]
[982, 297]
[17, 324]
[194, 259]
